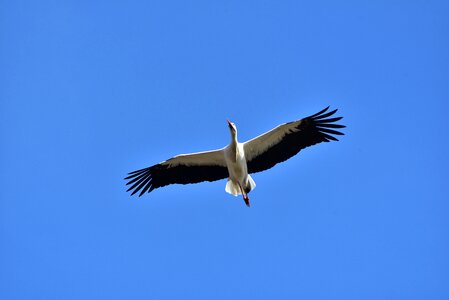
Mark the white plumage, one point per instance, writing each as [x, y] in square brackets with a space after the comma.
[237, 160]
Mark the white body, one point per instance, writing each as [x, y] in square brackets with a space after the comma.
[238, 172]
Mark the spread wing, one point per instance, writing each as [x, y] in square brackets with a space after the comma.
[182, 169]
[286, 140]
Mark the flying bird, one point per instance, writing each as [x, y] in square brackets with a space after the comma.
[238, 160]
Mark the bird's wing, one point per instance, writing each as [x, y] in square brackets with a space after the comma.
[286, 140]
[183, 169]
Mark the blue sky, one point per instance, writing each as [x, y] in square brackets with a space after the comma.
[90, 90]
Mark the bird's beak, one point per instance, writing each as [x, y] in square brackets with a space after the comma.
[229, 123]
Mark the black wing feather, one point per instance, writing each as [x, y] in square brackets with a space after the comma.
[161, 175]
[312, 130]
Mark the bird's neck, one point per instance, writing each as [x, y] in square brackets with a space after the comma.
[234, 140]
[233, 147]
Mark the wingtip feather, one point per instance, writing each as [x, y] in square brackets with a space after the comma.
[330, 131]
[329, 137]
[320, 112]
[322, 116]
[331, 120]
[137, 171]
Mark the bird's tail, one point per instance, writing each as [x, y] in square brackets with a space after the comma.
[233, 188]
[250, 184]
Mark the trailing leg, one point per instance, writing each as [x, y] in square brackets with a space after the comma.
[245, 196]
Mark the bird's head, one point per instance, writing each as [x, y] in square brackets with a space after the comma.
[232, 128]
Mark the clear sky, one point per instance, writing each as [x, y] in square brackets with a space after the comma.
[90, 90]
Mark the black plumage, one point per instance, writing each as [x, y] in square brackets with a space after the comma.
[160, 175]
[311, 130]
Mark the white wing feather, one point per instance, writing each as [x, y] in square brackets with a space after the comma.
[263, 142]
[206, 158]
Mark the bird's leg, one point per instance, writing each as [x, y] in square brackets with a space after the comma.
[245, 196]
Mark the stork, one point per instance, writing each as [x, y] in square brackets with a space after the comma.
[238, 160]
